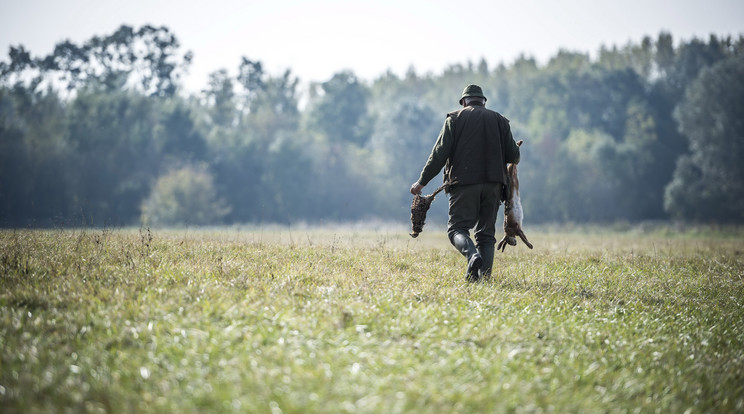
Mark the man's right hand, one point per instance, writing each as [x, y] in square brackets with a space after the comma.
[416, 188]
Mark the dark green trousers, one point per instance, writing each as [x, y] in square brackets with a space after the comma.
[474, 207]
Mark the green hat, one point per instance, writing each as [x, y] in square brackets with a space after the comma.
[472, 90]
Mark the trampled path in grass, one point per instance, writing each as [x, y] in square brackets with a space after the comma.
[348, 320]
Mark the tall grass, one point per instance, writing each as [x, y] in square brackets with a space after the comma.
[348, 320]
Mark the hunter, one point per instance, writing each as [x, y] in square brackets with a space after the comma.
[474, 146]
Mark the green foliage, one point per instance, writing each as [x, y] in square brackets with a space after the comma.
[220, 100]
[709, 184]
[308, 321]
[176, 135]
[339, 110]
[262, 164]
[34, 156]
[87, 130]
[146, 59]
[402, 141]
[185, 195]
[115, 153]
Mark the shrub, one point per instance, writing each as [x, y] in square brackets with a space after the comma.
[184, 196]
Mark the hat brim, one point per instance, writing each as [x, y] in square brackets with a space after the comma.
[471, 96]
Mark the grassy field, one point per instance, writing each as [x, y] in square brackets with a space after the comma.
[278, 320]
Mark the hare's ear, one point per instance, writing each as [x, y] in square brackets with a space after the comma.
[519, 143]
[502, 244]
[524, 238]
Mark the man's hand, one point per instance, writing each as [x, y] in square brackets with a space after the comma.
[416, 188]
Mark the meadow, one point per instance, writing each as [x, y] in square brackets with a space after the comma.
[345, 319]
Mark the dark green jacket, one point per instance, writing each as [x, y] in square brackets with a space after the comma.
[474, 146]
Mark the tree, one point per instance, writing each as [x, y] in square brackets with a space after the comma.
[404, 135]
[581, 188]
[11, 73]
[175, 135]
[340, 110]
[91, 128]
[184, 196]
[147, 59]
[220, 102]
[34, 154]
[708, 183]
[257, 155]
[115, 155]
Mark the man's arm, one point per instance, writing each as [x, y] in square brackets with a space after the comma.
[439, 153]
[511, 150]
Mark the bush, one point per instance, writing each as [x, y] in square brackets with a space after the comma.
[184, 196]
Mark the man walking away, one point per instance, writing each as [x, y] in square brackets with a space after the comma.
[474, 146]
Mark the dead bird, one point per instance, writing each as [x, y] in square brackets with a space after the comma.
[419, 206]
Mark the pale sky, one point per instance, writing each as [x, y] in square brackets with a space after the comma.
[317, 38]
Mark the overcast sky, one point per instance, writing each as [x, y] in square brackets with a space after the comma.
[317, 38]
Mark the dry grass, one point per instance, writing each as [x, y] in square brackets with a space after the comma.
[348, 319]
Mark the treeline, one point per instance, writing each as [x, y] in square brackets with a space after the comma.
[99, 134]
